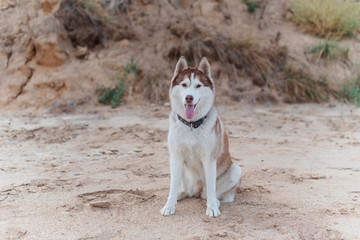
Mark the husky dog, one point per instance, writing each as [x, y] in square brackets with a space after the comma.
[199, 150]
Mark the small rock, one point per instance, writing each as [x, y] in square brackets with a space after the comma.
[48, 5]
[5, 5]
[101, 55]
[90, 198]
[11, 3]
[221, 234]
[81, 52]
[101, 204]
[288, 15]
[192, 237]
[263, 169]
[78, 184]
[343, 211]
[124, 43]
[314, 176]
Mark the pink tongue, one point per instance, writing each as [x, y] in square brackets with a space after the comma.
[189, 111]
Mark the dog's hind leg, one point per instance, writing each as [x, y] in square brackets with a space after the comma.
[229, 196]
[182, 192]
[181, 195]
[226, 185]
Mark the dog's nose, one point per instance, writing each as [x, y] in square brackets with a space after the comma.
[189, 98]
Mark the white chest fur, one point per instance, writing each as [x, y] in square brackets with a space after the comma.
[192, 144]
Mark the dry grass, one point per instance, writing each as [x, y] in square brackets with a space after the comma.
[102, 9]
[301, 88]
[239, 58]
[330, 50]
[351, 91]
[328, 18]
[264, 66]
[155, 88]
[90, 23]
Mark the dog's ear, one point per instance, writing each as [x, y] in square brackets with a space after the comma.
[180, 66]
[204, 66]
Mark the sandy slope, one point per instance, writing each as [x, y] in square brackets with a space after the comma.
[301, 175]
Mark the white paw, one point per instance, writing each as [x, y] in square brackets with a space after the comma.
[212, 211]
[168, 210]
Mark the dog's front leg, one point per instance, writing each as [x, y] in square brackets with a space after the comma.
[212, 201]
[176, 167]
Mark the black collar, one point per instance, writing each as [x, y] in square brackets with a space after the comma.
[195, 124]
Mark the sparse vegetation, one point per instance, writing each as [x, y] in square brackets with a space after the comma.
[254, 59]
[327, 18]
[114, 95]
[351, 91]
[252, 5]
[330, 50]
[101, 9]
[91, 23]
[239, 58]
[115, 6]
[300, 87]
[155, 87]
[242, 59]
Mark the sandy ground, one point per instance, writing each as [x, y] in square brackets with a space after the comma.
[104, 174]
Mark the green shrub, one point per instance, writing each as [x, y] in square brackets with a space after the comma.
[351, 91]
[327, 18]
[114, 95]
[252, 5]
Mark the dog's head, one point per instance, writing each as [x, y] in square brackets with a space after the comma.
[192, 91]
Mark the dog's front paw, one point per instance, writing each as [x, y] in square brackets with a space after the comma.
[168, 210]
[212, 211]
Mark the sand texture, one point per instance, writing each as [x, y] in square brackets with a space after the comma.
[104, 174]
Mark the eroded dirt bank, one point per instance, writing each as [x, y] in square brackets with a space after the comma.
[57, 55]
[104, 174]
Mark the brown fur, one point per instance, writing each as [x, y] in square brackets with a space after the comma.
[217, 129]
[223, 161]
[197, 73]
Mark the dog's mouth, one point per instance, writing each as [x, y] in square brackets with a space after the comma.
[190, 110]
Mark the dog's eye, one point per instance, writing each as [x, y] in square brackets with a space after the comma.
[184, 84]
[198, 86]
